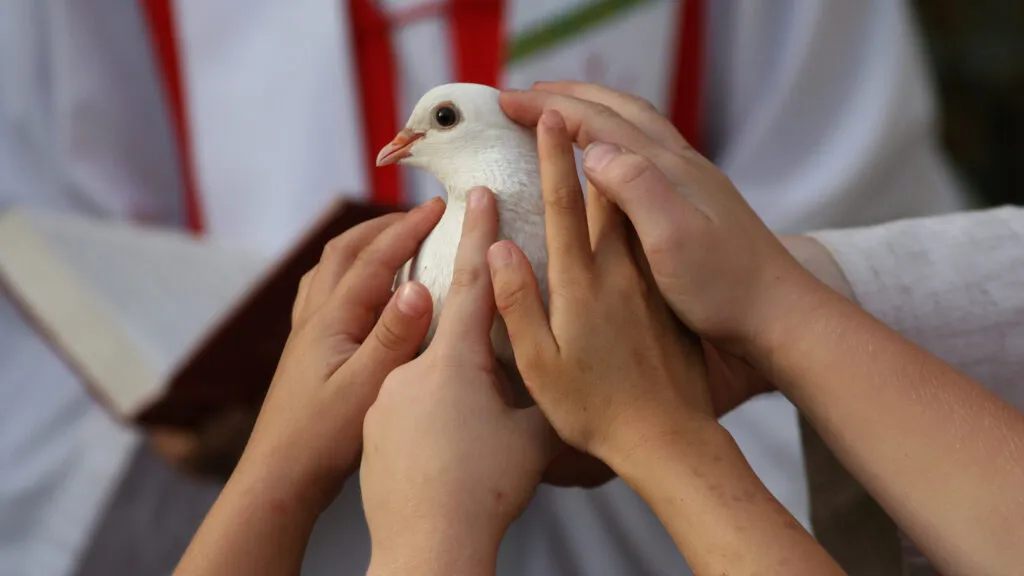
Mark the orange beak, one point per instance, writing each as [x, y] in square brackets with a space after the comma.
[398, 148]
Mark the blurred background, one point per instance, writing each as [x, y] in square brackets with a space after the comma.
[977, 50]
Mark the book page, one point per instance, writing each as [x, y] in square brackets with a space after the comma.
[162, 288]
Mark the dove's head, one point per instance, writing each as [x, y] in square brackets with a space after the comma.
[455, 129]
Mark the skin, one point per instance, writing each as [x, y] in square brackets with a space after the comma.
[940, 453]
[448, 463]
[348, 333]
[618, 379]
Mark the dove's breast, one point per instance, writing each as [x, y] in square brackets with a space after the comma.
[435, 262]
[434, 265]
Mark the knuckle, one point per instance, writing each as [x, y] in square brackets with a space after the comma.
[661, 246]
[336, 248]
[510, 297]
[644, 104]
[389, 336]
[466, 277]
[630, 169]
[603, 111]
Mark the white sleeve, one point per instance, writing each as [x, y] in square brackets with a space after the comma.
[822, 112]
[953, 284]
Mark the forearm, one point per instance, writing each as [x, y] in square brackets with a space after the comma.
[939, 452]
[252, 528]
[718, 512]
[447, 551]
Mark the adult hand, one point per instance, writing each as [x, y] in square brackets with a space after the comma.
[348, 333]
[448, 464]
[610, 367]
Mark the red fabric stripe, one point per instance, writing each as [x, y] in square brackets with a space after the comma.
[378, 91]
[478, 40]
[160, 18]
[689, 74]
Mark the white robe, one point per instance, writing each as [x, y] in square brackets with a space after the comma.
[820, 111]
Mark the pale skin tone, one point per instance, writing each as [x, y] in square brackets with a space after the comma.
[308, 436]
[939, 452]
[448, 464]
[618, 379]
[349, 333]
[910, 428]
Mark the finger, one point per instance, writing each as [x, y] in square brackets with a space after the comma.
[298, 308]
[367, 284]
[519, 302]
[632, 108]
[396, 337]
[468, 313]
[607, 226]
[338, 255]
[587, 122]
[565, 213]
[652, 203]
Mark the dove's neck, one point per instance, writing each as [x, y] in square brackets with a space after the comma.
[512, 173]
[511, 170]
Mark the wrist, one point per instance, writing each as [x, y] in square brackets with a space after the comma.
[449, 550]
[285, 491]
[795, 293]
[817, 260]
[642, 446]
[688, 461]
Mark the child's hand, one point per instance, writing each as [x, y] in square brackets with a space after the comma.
[611, 369]
[718, 266]
[308, 436]
[447, 464]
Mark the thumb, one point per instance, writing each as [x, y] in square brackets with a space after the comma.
[398, 334]
[518, 300]
[654, 205]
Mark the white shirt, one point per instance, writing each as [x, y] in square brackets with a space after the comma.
[820, 111]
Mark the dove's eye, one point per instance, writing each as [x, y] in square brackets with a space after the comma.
[446, 115]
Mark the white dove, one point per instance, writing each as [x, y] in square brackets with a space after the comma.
[458, 133]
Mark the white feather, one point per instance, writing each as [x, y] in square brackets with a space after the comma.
[487, 149]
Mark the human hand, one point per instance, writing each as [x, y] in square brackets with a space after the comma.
[348, 333]
[611, 368]
[448, 464]
[719, 267]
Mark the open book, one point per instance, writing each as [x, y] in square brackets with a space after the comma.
[164, 328]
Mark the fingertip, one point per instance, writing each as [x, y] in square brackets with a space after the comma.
[413, 300]
[552, 119]
[479, 197]
[500, 255]
[522, 106]
[435, 206]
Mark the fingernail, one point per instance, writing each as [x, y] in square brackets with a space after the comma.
[425, 205]
[551, 119]
[598, 154]
[499, 255]
[409, 303]
[477, 197]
